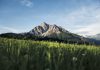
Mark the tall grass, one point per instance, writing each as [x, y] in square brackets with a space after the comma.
[41, 55]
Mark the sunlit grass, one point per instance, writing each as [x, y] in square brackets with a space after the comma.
[43, 55]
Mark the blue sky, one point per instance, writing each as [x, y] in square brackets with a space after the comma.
[77, 16]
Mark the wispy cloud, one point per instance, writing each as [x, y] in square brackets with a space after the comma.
[84, 20]
[88, 21]
[4, 29]
[91, 29]
[27, 3]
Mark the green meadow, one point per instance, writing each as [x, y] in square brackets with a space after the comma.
[44, 55]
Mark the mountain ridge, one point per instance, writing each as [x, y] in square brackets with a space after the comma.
[47, 32]
[97, 36]
[45, 28]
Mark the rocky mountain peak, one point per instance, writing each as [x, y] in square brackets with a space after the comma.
[45, 29]
[45, 26]
[55, 32]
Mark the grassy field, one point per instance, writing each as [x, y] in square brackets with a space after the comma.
[41, 55]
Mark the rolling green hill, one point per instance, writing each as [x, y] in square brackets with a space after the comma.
[43, 55]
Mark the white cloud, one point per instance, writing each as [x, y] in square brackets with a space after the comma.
[89, 21]
[4, 29]
[91, 29]
[84, 20]
[27, 3]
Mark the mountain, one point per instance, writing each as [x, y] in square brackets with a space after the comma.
[97, 36]
[47, 30]
[50, 33]
[94, 38]
[57, 32]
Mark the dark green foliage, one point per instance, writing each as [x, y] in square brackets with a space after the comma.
[40, 55]
[70, 38]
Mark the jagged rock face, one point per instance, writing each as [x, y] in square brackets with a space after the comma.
[48, 30]
[54, 31]
[39, 30]
[45, 26]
